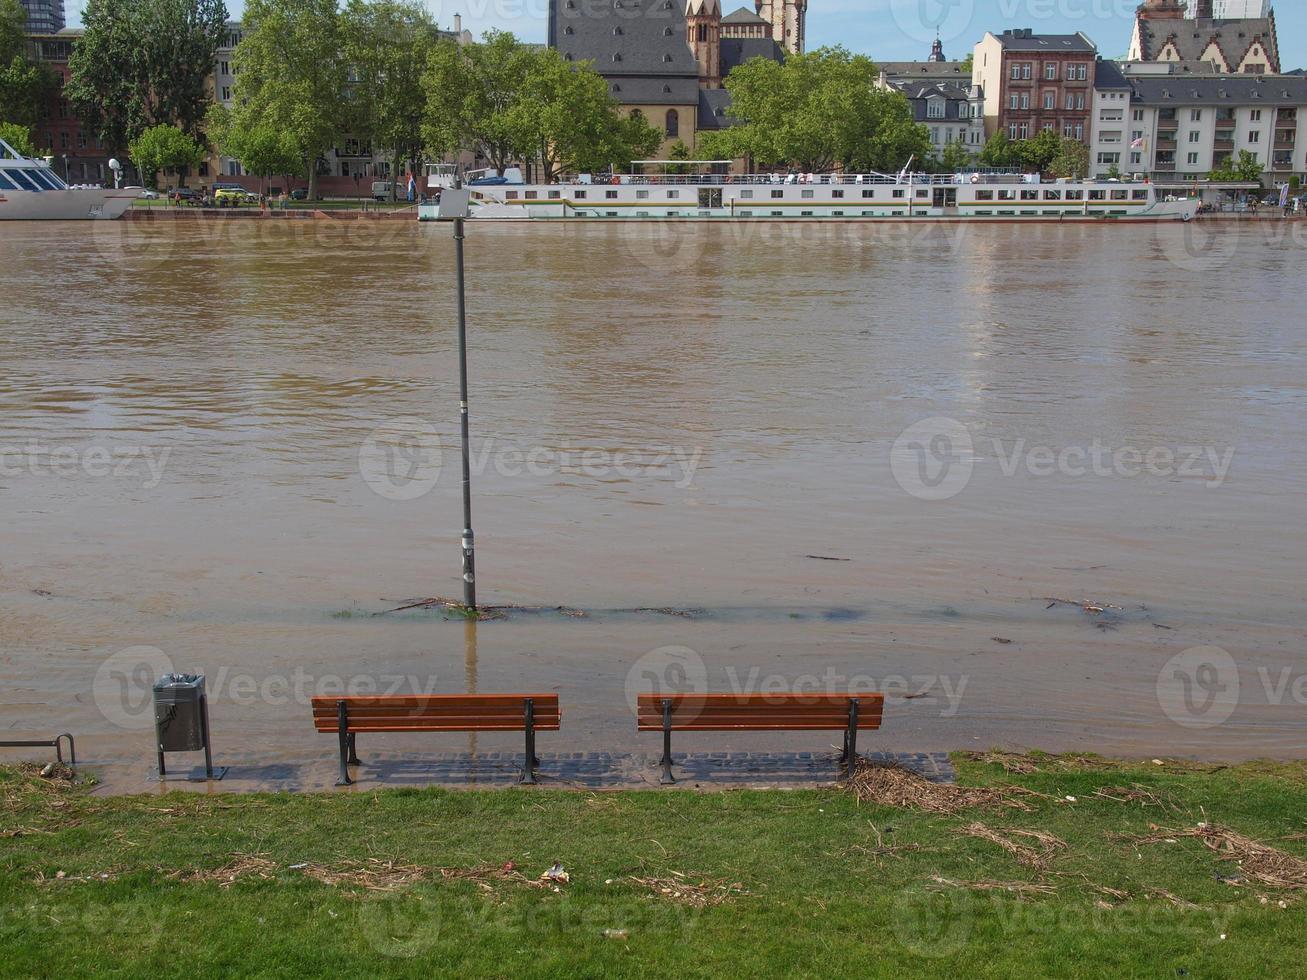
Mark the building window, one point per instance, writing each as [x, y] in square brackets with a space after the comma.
[673, 122]
[935, 109]
[1025, 100]
[1193, 159]
[1255, 136]
[1050, 71]
[1050, 100]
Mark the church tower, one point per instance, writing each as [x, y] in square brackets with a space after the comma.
[703, 26]
[1161, 10]
[789, 21]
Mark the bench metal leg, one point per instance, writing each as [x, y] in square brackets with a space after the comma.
[851, 739]
[353, 750]
[530, 762]
[342, 732]
[204, 726]
[666, 763]
[72, 749]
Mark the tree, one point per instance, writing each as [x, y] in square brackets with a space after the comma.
[1072, 160]
[26, 87]
[968, 64]
[956, 157]
[162, 148]
[19, 137]
[1038, 153]
[573, 123]
[816, 111]
[1247, 169]
[262, 150]
[387, 43]
[293, 76]
[144, 63]
[472, 91]
[999, 152]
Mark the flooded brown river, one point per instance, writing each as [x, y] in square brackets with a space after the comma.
[226, 446]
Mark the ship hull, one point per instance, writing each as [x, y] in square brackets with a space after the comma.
[71, 204]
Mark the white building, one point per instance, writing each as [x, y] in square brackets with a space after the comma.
[1181, 128]
[1109, 143]
[1232, 9]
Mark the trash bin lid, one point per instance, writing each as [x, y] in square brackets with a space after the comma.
[174, 681]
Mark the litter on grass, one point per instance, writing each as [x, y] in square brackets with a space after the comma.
[1258, 862]
[1037, 854]
[892, 785]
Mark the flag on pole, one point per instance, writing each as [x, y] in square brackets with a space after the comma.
[1137, 144]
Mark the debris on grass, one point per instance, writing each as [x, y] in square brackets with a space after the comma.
[1036, 854]
[373, 875]
[1015, 762]
[685, 890]
[241, 866]
[63, 877]
[487, 876]
[888, 784]
[1176, 900]
[1259, 862]
[1135, 793]
[1024, 889]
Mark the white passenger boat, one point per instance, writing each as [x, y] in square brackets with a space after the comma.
[826, 197]
[31, 191]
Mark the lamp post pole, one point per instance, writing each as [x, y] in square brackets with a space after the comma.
[469, 553]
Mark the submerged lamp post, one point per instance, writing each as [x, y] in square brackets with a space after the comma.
[454, 205]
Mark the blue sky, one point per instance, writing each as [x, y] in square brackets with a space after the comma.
[896, 30]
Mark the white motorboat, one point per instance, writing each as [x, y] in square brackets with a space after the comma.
[31, 191]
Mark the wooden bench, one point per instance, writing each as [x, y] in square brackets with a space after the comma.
[759, 712]
[347, 716]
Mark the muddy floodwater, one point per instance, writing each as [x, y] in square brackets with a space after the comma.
[769, 457]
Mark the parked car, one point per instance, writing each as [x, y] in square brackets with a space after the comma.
[299, 194]
[229, 197]
[149, 195]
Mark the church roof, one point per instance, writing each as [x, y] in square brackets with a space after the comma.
[743, 16]
[1192, 38]
[625, 38]
[715, 108]
[737, 50]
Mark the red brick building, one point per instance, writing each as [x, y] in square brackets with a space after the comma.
[1032, 82]
[78, 155]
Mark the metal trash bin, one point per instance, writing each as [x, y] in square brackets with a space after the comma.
[181, 719]
[179, 702]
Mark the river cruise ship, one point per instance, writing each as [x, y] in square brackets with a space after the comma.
[821, 197]
[31, 191]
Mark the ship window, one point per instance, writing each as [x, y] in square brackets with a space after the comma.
[923, 194]
[984, 195]
[777, 194]
[1120, 195]
[642, 195]
[673, 194]
[746, 214]
[579, 195]
[1141, 195]
[1098, 195]
[806, 194]
[510, 195]
[532, 195]
[777, 214]
[6, 184]
[610, 195]
[899, 192]
[23, 181]
[868, 195]
[746, 194]
[1052, 195]
[837, 214]
[1075, 195]
[836, 193]
[1030, 195]
[555, 195]
[44, 179]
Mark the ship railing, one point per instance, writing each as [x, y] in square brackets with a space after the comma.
[771, 179]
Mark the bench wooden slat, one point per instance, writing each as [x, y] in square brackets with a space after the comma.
[732, 712]
[387, 726]
[422, 700]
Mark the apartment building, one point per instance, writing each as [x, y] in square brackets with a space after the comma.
[1180, 129]
[1030, 82]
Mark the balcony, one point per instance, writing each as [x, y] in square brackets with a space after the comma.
[1282, 161]
[1286, 115]
[1285, 140]
[1165, 166]
[1223, 145]
[1164, 143]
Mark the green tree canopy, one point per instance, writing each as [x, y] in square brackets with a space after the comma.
[263, 150]
[26, 87]
[1038, 153]
[1000, 152]
[19, 137]
[816, 111]
[293, 75]
[1072, 160]
[956, 157]
[387, 43]
[144, 63]
[163, 147]
[473, 92]
[1247, 168]
[573, 123]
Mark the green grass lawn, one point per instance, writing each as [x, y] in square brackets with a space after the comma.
[671, 883]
